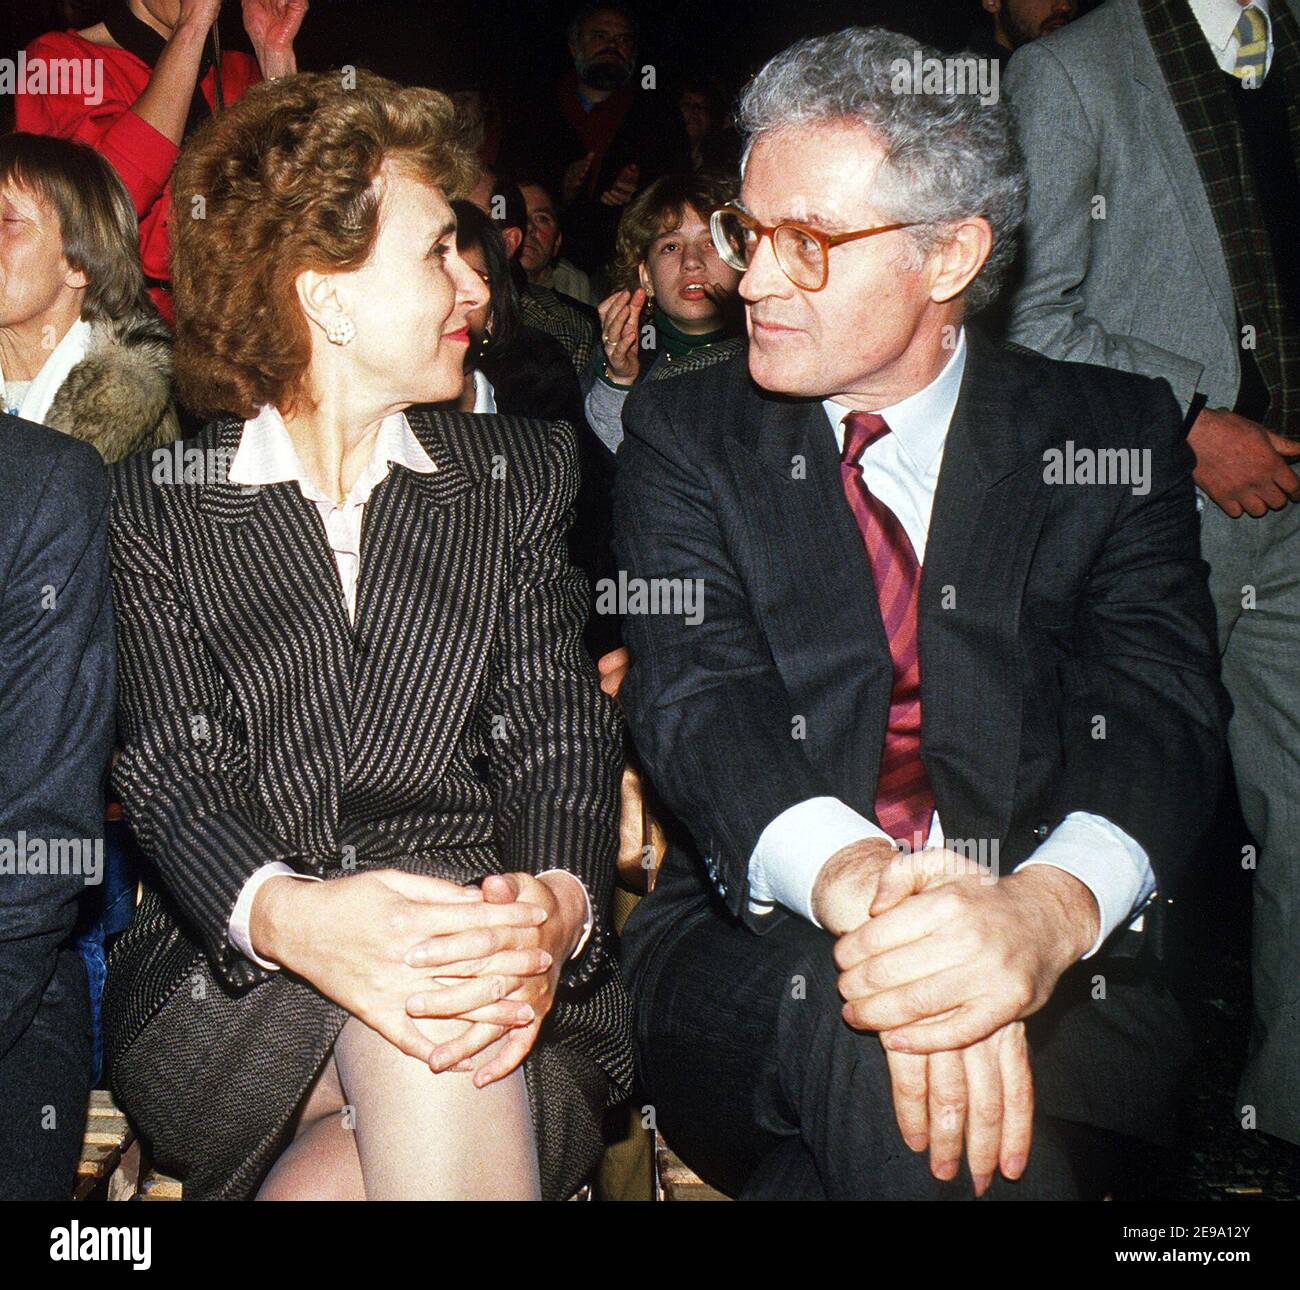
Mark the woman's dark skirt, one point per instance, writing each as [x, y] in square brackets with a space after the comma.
[213, 1080]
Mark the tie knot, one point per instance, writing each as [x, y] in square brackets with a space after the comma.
[861, 430]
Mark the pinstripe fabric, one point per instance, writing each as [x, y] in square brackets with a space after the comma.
[257, 724]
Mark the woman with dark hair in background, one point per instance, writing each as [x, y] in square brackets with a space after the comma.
[517, 369]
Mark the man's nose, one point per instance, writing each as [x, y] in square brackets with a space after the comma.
[764, 277]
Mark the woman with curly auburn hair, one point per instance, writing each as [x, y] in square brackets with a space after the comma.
[364, 750]
[674, 296]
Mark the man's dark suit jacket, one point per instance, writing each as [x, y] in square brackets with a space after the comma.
[56, 731]
[1044, 608]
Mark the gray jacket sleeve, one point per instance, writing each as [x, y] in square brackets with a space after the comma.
[604, 409]
[1056, 309]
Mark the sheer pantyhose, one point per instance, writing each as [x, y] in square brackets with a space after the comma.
[379, 1125]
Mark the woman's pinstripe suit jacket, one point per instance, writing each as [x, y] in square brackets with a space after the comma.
[456, 729]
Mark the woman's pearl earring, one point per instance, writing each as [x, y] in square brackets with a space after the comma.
[340, 330]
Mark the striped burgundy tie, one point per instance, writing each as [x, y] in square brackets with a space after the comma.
[904, 799]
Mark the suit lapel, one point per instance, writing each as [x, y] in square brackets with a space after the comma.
[819, 562]
[1160, 122]
[432, 563]
[988, 508]
[289, 623]
[431, 555]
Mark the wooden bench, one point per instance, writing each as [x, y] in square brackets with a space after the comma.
[109, 1153]
[676, 1181]
[158, 1186]
[112, 1165]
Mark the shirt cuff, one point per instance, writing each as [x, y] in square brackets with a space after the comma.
[1107, 861]
[586, 896]
[238, 928]
[792, 849]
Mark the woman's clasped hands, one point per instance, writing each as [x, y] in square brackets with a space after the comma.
[394, 947]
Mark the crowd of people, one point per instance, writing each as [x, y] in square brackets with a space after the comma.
[738, 605]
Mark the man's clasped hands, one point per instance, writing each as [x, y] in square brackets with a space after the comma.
[944, 963]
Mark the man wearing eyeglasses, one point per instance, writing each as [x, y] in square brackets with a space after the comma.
[951, 596]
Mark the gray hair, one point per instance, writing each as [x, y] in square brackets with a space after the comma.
[948, 156]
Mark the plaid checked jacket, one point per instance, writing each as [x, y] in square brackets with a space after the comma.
[1142, 251]
[572, 323]
[1202, 98]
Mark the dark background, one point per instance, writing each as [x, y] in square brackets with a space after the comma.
[452, 43]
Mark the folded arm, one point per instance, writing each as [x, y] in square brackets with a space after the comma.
[184, 775]
[707, 707]
[553, 738]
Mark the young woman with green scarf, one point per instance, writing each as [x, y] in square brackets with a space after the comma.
[675, 294]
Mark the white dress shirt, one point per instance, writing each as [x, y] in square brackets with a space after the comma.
[266, 455]
[902, 470]
[32, 399]
[485, 397]
[1219, 19]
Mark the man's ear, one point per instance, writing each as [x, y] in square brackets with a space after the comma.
[513, 238]
[955, 261]
[555, 249]
[319, 296]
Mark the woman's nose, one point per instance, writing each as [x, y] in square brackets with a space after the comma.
[471, 289]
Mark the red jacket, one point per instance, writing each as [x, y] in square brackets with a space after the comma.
[142, 157]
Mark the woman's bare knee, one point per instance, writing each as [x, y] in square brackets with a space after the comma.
[324, 1098]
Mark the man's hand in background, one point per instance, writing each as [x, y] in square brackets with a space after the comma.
[1241, 465]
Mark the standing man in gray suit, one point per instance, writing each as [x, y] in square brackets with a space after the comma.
[1162, 140]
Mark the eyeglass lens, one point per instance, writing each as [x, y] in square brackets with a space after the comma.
[799, 256]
